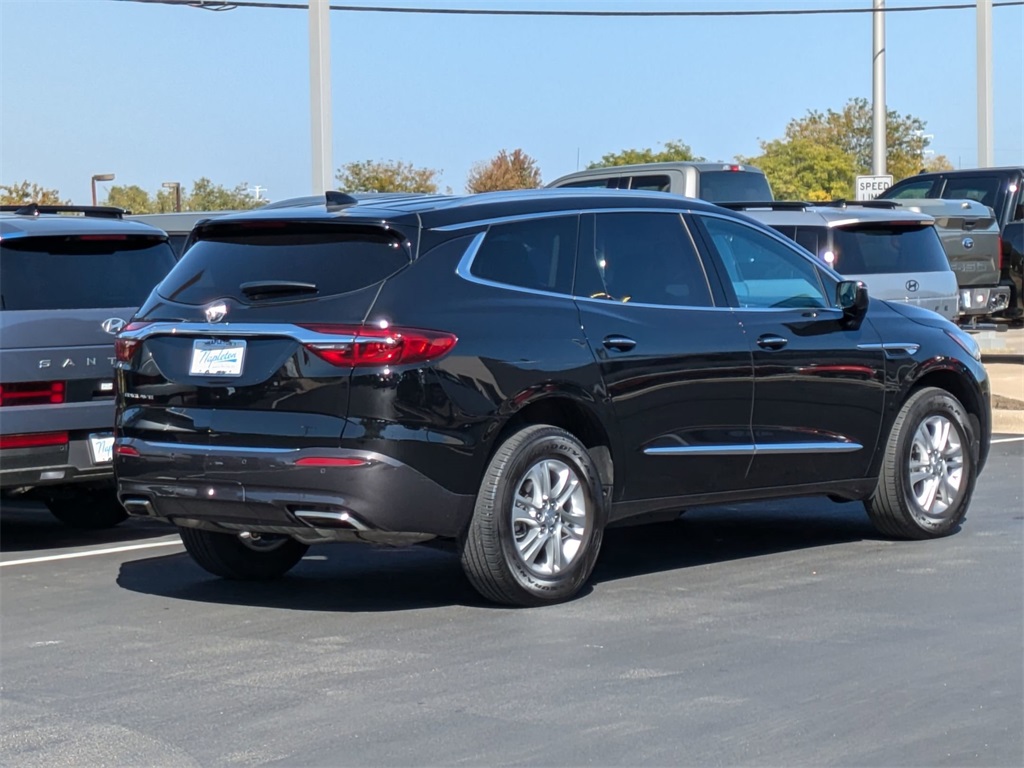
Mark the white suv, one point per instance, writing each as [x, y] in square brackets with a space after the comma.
[896, 253]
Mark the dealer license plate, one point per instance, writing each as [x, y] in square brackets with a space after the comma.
[102, 447]
[212, 357]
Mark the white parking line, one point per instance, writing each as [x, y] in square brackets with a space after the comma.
[92, 553]
[1008, 440]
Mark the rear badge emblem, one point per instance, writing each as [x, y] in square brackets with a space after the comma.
[968, 243]
[912, 285]
[216, 312]
[113, 325]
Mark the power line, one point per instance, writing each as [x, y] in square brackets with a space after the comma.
[217, 5]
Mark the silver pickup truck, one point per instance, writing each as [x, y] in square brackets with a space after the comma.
[970, 236]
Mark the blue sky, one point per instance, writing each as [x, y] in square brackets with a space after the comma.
[157, 93]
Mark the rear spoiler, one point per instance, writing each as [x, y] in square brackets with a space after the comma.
[98, 211]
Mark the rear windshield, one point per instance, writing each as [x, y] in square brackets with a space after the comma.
[92, 271]
[733, 187]
[333, 258]
[886, 249]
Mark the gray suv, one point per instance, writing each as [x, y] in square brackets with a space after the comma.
[70, 278]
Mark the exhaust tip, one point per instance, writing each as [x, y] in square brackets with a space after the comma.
[322, 518]
[137, 507]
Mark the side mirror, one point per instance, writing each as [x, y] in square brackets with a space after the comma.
[852, 298]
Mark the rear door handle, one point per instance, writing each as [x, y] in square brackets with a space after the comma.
[771, 341]
[620, 343]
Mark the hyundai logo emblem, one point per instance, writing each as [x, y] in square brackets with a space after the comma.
[912, 285]
[113, 325]
[968, 243]
[216, 312]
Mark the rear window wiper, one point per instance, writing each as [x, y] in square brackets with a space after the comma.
[271, 289]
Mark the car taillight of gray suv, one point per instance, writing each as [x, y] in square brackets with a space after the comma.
[514, 372]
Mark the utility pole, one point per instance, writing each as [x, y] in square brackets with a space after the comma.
[985, 129]
[320, 93]
[878, 136]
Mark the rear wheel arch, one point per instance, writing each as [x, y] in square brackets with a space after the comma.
[576, 418]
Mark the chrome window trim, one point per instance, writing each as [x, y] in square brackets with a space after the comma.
[462, 269]
[753, 449]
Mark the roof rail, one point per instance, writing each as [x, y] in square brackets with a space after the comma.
[772, 205]
[99, 211]
[840, 203]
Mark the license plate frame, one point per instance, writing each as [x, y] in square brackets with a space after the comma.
[217, 357]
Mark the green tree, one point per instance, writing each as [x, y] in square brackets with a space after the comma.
[673, 151]
[207, 196]
[802, 169]
[822, 153]
[132, 198]
[28, 192]
[504, 171]
[388, 176]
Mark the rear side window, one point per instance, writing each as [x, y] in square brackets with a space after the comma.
[536, 253]
[733, 187]
[911, 189]
[984, 189]
[602, 182]
[81, 272]
[887, 249]
[655, 183]
[333, 258]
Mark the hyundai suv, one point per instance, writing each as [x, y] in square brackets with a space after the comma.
[513, 372]
[70, 277]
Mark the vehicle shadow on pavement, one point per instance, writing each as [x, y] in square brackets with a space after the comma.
[28, 527]
[364, 578]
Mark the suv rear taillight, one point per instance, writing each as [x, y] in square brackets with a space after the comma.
[32, 393]
[39, 440]
[124, 348]
[368, 346]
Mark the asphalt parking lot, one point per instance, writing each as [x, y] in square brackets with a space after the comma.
[782, 633]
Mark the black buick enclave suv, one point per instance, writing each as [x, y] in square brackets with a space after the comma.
[516, 371]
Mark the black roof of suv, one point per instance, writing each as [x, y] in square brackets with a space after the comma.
[512, 372]
[70, 278]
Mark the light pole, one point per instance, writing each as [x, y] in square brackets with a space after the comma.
[99, 177]
[176, 186]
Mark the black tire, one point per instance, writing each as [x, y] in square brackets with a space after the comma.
[498, 555]
[88, 508]
[933, 434]
[227, 555]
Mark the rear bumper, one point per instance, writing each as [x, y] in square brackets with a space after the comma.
[984, 300]
[53, 465]
[247, 489]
